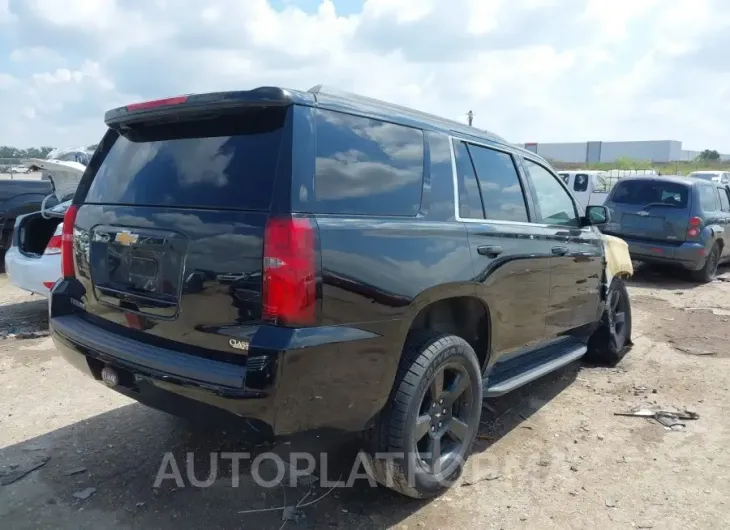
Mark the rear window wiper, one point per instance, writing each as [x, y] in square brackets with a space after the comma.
[673, 205]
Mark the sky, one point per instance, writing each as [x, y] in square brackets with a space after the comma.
[531, 70]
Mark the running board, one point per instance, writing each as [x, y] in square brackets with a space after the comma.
[534, 371]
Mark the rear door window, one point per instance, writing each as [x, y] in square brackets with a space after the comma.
[724, 199]
[640, 192]
[502, 193]
[363, 167]
[470, 197]
[217, 163]
[708, 198]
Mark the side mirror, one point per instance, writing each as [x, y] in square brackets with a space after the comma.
[597, 215]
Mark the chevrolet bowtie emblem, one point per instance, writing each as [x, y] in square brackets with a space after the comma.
[126, 238]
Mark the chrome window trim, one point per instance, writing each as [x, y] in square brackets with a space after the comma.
[455, 180]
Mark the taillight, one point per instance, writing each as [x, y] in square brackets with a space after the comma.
[53, 246]
[146, 105]
[289, 287]
[693, 228]
[67, 242]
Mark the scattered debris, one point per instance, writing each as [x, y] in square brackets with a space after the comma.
[723, 278]
[667, 417]
[492, 475]
[691, 350]
[74, 471]
[610, 503]
[645, 525]
[292, 513]
[22, 335]
[85, 494]
[573, 467]
[17, 471]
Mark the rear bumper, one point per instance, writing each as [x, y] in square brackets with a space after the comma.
[292, 380]
[690, 256]
[30, 273]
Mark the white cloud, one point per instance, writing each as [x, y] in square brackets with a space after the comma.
[531, 70]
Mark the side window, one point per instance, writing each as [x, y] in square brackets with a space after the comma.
[708, 198]
[502, 193]
[565, 177]
[556, 206]
[724, 199]
[470, 201]
[581, 182]
[364, 167]
[441, 204]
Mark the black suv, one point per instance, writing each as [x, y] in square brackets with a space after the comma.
[322, 260]
[672, 220]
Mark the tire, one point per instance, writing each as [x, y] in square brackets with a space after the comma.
[399, 445]
[612, 340]
[709, 270]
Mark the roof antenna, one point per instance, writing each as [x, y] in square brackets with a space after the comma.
[470, 117]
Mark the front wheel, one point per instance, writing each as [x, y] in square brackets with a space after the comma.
[612, 340]
[427, 429]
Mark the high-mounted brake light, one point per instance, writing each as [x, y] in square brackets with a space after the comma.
[693, 229]
[67, 242]
[289, 286]
[147, 105]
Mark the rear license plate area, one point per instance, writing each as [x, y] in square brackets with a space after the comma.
[140, 272]
[643, 223]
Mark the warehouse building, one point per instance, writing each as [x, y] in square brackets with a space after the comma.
[596, 152]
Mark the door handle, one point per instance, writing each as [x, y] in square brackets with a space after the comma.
[560, 251]
[491, 251]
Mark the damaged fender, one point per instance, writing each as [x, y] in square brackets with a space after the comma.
[618, 259]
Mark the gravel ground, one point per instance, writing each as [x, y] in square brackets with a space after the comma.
[553, 455]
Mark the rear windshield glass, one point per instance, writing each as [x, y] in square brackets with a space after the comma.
[220, 162]
[704, 176]
[643, 192]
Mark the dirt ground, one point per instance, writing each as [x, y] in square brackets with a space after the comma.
[553, 455]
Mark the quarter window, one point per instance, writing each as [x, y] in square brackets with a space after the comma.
[581, 182]
[363, 167]
[556, 206]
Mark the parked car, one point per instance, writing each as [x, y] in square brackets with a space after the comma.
[672, 220]
[719, 177]
[17, 197]
[356, 266]
[588, 187]
[33, 262]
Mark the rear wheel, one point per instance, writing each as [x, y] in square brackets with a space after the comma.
[612, 340]
[708, 273]
[426, 431]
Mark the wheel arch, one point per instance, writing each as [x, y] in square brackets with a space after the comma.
[454, 309]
